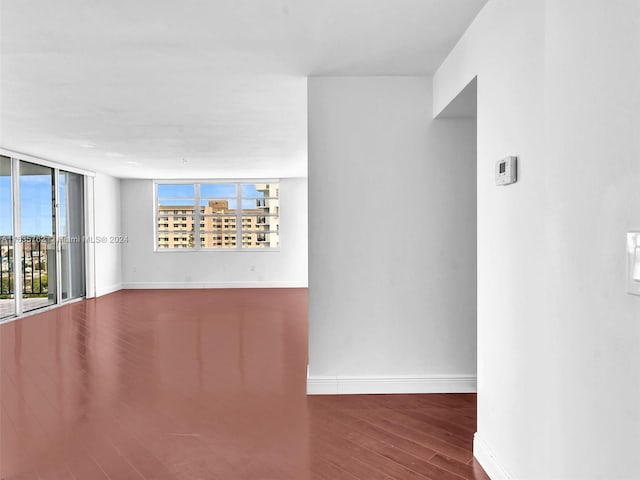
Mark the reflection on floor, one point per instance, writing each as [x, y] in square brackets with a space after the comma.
[204, 384]
[7, 305]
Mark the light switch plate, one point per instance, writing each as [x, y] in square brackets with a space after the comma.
[633, 263]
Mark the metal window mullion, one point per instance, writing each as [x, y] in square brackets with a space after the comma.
[17, 228]
[31, 243]
[56, 236]
[156, 217]
[89, 232]
[196, 217]
[239, 216]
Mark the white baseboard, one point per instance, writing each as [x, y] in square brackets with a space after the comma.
[240, 284]
[107, 290]
[485, 457]
[325, 385]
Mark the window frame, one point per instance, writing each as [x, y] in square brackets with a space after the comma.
[199, 217]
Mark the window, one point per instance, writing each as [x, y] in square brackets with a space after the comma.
[213, 211]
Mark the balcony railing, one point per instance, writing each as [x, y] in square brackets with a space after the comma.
[33, 265]
[6, 267]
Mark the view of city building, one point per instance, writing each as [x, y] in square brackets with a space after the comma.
[219, 225]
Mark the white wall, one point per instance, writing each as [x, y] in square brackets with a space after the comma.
[108, 251]
[144, 268]
[558, 337]
[392, 239]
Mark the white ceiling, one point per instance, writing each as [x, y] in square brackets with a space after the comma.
[133, 87]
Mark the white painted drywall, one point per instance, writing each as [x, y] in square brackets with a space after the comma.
[558, 337]
[145, 268]
[392, 276]
[108, 251]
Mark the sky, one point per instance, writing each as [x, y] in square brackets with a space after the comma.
[183, 194]
[36, 202]
[36, 205]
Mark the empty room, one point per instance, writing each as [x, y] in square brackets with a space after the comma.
[320, 240]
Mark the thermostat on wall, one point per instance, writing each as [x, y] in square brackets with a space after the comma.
[507, 171]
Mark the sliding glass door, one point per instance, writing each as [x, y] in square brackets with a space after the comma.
[42, 236]
[37, 239]
[72, 263]
[7, 284]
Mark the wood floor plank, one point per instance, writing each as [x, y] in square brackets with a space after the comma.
[344, 456]
[417, 435]
[323, 470]
[374, 431]
[416, 464]
[459, 468]
[205, 384]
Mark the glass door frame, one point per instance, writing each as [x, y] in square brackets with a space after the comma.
[89, 258]
[56, 207]
[17, 244]
[67, 235]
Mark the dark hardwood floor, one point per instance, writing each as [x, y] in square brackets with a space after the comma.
[205, 384]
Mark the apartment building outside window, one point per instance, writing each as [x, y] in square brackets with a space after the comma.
[217, 215]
